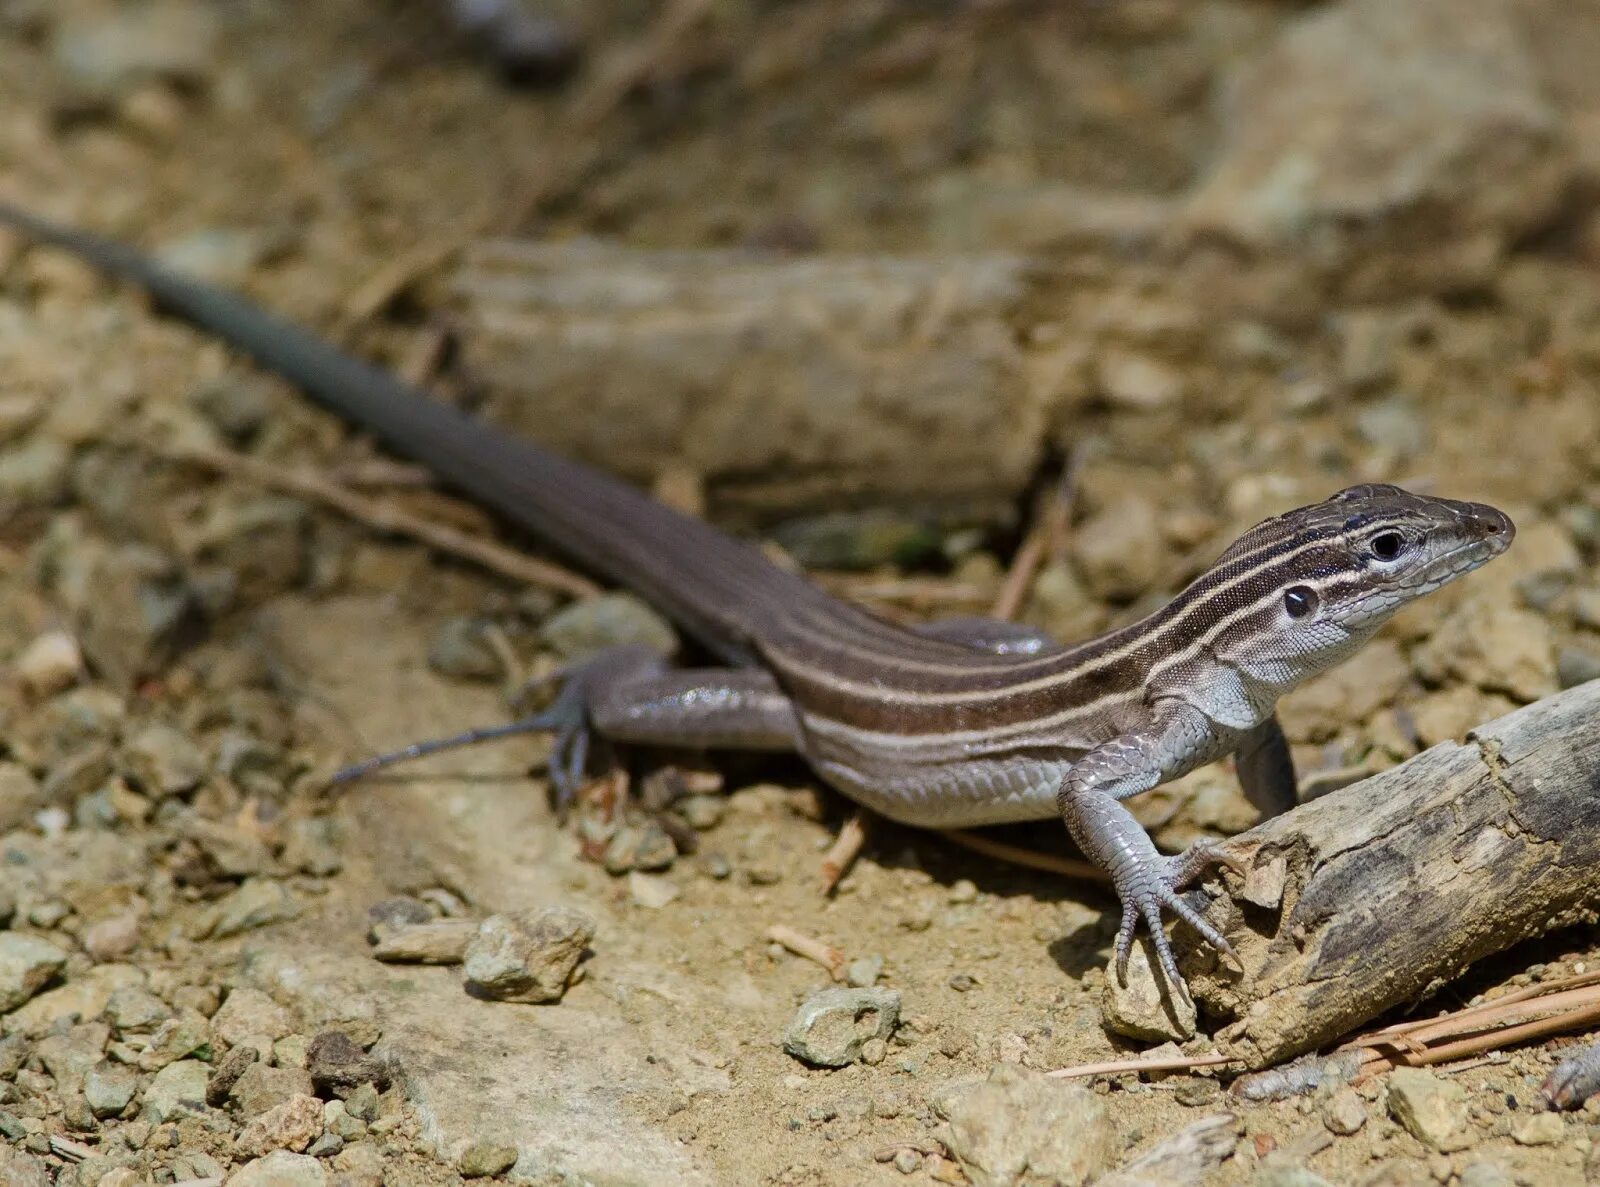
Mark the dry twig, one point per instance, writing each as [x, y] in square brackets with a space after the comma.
[809, 947]
[387, 518]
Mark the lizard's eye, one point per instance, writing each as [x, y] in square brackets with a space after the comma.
[1299, 600]
[1388, 545]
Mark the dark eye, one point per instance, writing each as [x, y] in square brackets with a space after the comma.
[1388, 545]
[1299, 600]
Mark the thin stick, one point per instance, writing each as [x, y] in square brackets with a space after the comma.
[1030, 858]
[809, 947]
[1493, 1040]
[1116, 1067]
[387, 518]
[1046, 539]
[842, 854]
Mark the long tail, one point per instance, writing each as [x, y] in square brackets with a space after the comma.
[718, 588]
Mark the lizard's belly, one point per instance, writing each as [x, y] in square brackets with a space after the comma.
[952, 795]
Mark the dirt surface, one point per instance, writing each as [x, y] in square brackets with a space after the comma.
[1233, 305]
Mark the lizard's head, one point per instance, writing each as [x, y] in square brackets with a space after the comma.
[1323, 578]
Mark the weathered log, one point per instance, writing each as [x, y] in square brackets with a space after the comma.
[1371, 896]
[787, 383]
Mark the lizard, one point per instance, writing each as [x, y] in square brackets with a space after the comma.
[957, 724]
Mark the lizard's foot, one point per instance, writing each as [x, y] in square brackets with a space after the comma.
[1145, 888]
[566, 717]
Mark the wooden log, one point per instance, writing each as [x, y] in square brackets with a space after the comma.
[1379, 892]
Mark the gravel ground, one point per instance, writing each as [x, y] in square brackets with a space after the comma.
[1232, 279]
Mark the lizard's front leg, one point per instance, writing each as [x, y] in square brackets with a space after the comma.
[1145, 881]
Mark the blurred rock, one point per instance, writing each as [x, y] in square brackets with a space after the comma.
[833, 1025]
[1406, 144]
[528, 956]
[742, 367]
[1020, 1127]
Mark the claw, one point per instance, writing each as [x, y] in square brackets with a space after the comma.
[1145, 905]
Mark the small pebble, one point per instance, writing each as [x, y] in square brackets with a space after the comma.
[963, 890]
[460, 651]
[52, 662]
[907, 1161]
[651, 891]
[863, 971]
[833, 1026]
[1541, 1129]
[1344, 1111]
[528, 956]
[482, 1159]
[27, 965]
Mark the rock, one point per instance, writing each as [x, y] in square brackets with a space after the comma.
[1408, 144]
[1393, 428]
[863, 972]
[388, 916]
[68, 1053]
[112, 51]
[112, 938]
[250, 1012]
[651, 891]
[1432, 1109]
[1344, 1112]
[360, 1165]
[162, 761]
[21, 795]
[311, 846]
[1020, 1126]
[259, 1089]
[1497, 648]
[108, 1087]
[1485, 1174]
[84, 995]
[1145, 1008]
[482, 1159]
[325, 1146]
[280, 1169]
[1282, 1174]
[176, 1089]
[741, 367]
[187, 1032]
[20, 1169]
[1542, 1129]
[439, 941]
[1119, 550]
[35, 473]
[857, 540]
[257, 903]
[338, 1065]
[528, 956]
[27, 965]
[338, 1120]
[460, 651]
[639, 847]
[830, 1029]
[226, 1074]
[52, 662]
[292, 1125]
[588, 627]
[135, 1010]
[222, 256]
[1448, 714]
[1138, 382]
[1576, 665]
[362, 1103]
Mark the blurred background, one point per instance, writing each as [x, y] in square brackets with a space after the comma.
[877, 280]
